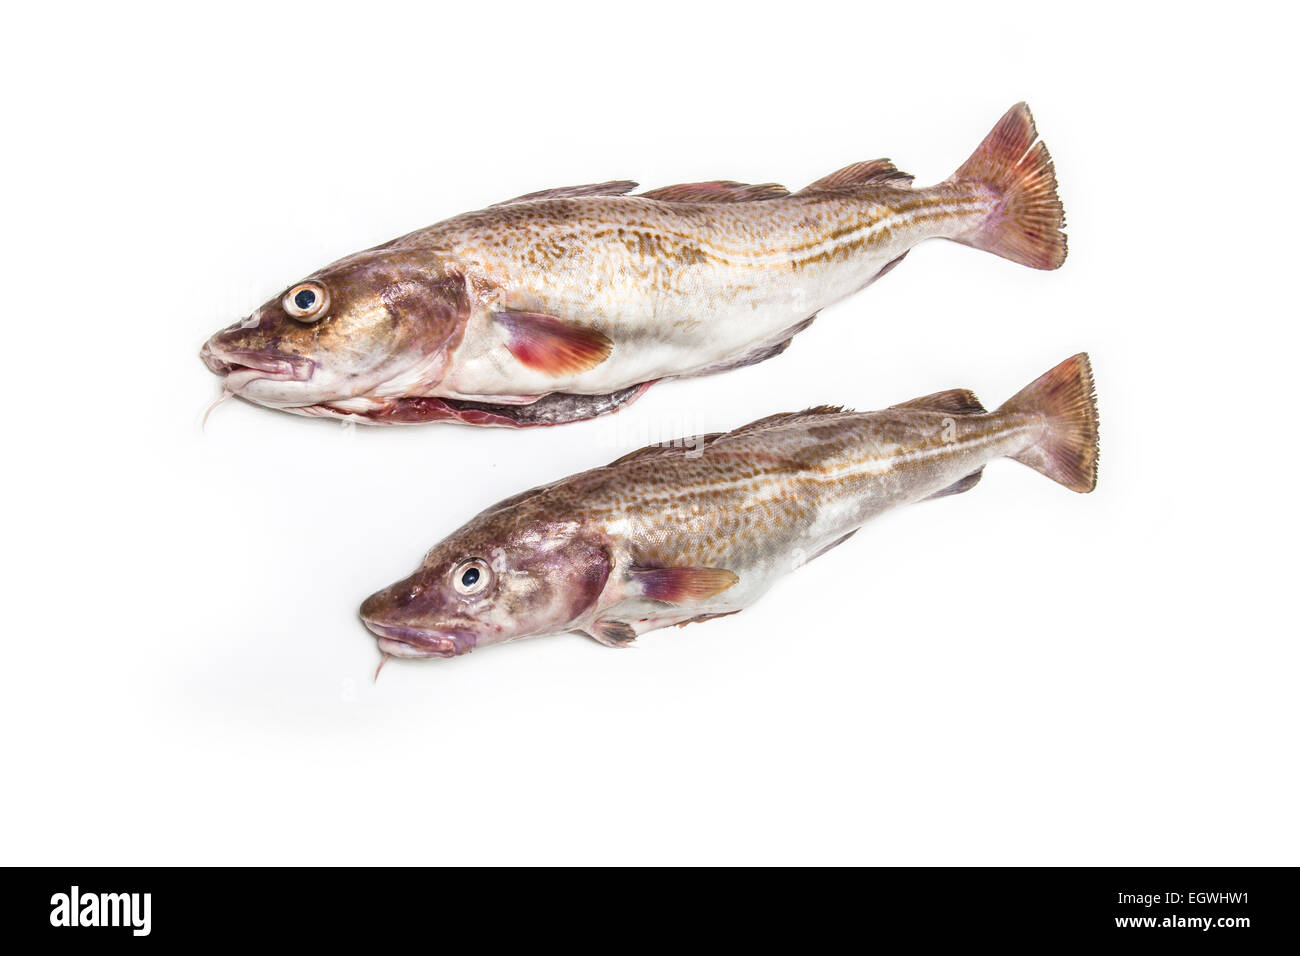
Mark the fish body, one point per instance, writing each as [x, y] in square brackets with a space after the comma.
[704, 527]
[567, 304]
[691, 285]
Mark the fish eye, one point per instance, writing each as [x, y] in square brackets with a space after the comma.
[472, 576]
[306, 302]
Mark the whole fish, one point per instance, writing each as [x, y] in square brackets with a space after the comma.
[569, 303]
[694, 530]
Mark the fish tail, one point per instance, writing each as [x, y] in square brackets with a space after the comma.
[1066, 450]
[1025, 225]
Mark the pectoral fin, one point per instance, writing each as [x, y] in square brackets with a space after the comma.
[681, 585]
[554, 346]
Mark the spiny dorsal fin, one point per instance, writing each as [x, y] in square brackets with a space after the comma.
[717, 191]
[959, 401]
[614, 188]
[860, 174]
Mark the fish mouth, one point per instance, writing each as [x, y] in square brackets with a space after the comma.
[240, 366]
[418, 642]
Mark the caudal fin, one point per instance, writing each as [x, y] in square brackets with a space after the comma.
[1026, 225]
[1067, 450]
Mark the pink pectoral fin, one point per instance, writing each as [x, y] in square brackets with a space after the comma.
[682, 585]
[554, 346]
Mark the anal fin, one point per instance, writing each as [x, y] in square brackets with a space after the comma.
[760, 354]
[957, 487]
[887, 268]
[834, 544]
[704, 617]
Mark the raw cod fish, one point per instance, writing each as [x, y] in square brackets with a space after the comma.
[569, 303]
[682, 533]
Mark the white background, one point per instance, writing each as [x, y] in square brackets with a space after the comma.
[1016, 675]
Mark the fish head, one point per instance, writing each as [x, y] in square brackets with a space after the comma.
[494, 580]
[379, 323]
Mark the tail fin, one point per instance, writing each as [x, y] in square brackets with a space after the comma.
[1067, 450]
[1026, 225]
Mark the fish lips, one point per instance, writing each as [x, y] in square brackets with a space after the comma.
[238, 367]
[417, 642]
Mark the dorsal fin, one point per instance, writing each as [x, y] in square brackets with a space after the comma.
[614, 188]
[717, 191]
[694, 444]
[959, 401]
[860, 174]
[697, 443]
[785, 418]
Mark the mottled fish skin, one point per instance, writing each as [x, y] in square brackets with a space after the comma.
[704, 527]
[592, 294]
[679, 287]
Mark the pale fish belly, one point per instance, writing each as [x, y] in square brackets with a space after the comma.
[697, 289]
